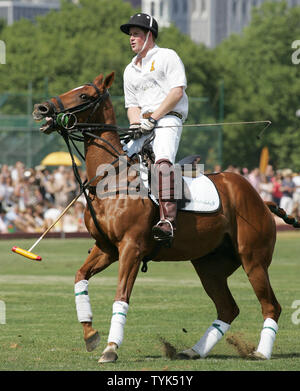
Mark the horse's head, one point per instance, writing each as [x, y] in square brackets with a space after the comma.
[78, 105]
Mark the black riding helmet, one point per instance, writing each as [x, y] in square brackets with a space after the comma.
[144, 21]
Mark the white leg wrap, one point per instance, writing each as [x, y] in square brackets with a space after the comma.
[82, 301]
[118, 320]
[212, 335]
[267, 338]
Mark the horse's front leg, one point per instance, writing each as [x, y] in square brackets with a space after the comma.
[95, 263]
[129, 262]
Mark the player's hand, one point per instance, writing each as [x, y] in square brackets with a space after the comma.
[136, 130]
[147, 125]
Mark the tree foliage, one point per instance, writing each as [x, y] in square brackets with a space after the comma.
[68, 47]
[71, 46]
[261, 83]
[77, 43]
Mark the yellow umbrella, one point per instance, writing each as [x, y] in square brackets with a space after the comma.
[264, 160]
[59, 159]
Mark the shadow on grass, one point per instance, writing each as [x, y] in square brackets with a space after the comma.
[287, 355]
[222, 357]
[218, 357]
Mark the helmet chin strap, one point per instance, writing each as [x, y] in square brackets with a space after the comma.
[145, 43]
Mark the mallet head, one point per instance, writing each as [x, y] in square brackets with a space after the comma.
[26, 253]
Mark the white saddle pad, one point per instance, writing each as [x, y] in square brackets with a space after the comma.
[200, 194]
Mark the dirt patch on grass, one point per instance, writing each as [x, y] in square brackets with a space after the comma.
[168, 349]
[244, 348]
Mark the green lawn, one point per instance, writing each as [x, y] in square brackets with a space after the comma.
[42, 332]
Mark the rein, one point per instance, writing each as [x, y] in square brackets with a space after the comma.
[128, 132]
[67, 119]
[83, 186]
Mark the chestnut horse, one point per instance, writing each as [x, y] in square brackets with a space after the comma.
[241, 232]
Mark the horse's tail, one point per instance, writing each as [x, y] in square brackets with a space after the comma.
[282, 214]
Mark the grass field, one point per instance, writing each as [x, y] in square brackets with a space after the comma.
[42, 332]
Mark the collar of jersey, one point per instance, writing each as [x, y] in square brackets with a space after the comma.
[146, 59]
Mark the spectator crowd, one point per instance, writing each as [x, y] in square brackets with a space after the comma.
[281, 186]
[31, 199]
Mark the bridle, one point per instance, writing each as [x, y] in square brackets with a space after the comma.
[66, 117]
[66, 122]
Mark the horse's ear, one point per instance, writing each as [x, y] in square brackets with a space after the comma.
[99, 79]
[109, 80]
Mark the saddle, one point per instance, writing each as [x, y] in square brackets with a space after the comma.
[197, 193]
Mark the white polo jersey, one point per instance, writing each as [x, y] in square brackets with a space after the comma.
[147, 86]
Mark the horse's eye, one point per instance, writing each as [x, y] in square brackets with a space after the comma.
[84, 96]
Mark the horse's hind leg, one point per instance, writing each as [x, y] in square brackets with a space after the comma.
[95, 262]
[213, 271]
[257, 273]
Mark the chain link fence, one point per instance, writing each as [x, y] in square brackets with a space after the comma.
[21, 140]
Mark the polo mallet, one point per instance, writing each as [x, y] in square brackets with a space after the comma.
[28, 253]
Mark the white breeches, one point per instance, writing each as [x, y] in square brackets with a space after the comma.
[166, 141]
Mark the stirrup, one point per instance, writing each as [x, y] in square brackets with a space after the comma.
[161, 236]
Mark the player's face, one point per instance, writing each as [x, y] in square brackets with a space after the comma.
[137, 39]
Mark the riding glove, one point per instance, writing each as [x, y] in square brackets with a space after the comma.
[136, 131]
[147, 125]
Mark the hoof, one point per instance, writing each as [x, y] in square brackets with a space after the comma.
[257, 356]
[188, 354]
[92, 342]
[108, 356]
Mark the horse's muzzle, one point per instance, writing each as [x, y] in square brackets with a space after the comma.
[43, 111]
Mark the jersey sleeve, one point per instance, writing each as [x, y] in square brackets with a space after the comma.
[174, 70]
[129, 91]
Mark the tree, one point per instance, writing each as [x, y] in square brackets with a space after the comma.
[69, 47]
[261, 84]
[73, 45]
